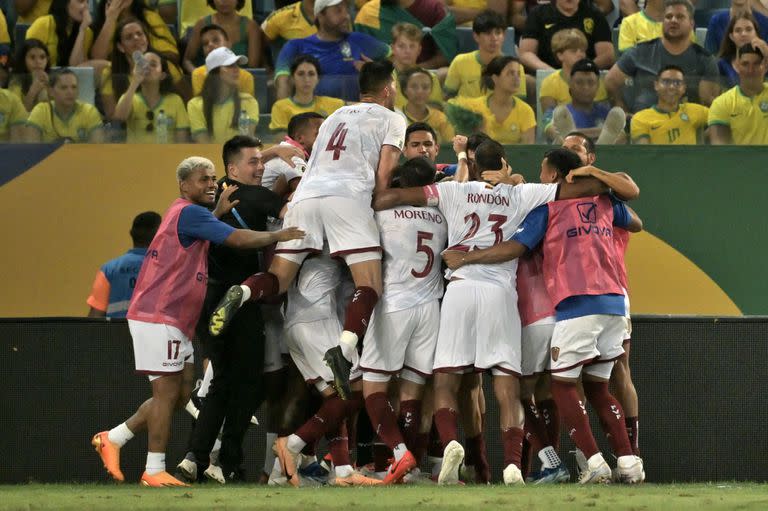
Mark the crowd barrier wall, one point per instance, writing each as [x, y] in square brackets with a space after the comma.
[67, 209]
[701, 382]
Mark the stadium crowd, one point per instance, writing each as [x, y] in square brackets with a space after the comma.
[521, 71]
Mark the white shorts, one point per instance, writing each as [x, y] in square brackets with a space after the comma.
[274, 343]
[405, 338]
[159, 349]
[579, 341]
[347, 224]
[535, 346]
[628, 332]
[307, 344]
[479, 329]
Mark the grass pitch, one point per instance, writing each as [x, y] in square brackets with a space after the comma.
[677, 497]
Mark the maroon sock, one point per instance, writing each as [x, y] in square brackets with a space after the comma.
[410, 423]
[327, 418]
[482, 468]
[434, 446]
[535, 427]
[611, 416]
[633, 432]
[422, 441]
[526, 459]
[309, 449]
[355, 403]
[472, 449]
[575, 417]
[359, 310]
[381, 456]
[447, 426]
[512, 439]
[383, 419]
[548, 412]
[262, 285]
[338, 445]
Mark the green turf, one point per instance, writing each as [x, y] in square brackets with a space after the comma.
[683, 497]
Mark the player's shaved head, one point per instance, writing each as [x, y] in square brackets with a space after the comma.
[417, 171]
[488, 156]
[562, 161]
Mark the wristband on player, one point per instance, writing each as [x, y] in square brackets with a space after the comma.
[462, 156]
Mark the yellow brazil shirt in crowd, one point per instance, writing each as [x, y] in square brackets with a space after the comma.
[192, 10]
[12, 113]
[222, 117]
[244, 81]
[678, 128]
[142, 125]
[44, 30]
[438, 121]
[285, 108]
[554, 86]
[435, 97]
[747, 117]
[40, 9]
[76, 127]
[464, 74]
[638, 28]
[106, 87]
[509, 130]
[286, 23]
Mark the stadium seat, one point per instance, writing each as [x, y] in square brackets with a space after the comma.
[261, 93]
[466, 43]
[86, 83]
[701, 35]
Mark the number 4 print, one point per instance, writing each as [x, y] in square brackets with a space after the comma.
[336, 143]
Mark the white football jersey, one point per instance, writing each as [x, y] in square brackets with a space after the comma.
[276, 167]
[412, 239]
[480, 216]
[313, 295]
[346, 152]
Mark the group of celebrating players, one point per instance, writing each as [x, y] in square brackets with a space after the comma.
[535, 295]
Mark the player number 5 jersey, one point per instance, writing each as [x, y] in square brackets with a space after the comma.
[346, 152]
[412, 239]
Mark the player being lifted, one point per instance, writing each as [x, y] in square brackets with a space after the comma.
[356, 150]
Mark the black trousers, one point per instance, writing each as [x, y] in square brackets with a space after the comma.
[236, 390]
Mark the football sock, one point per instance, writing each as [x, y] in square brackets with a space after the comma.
[358, 313]
[383, 419]
[512, 440]
[327, 418]
[343, 470]
[548, 411]
[447, 425]
[338, 446]
[535, 428]
[155, 463]
[410, 423]
[611, 416]
[633, 432]
[260, 285]
[296, 443]
[119, 435]
[575, 416]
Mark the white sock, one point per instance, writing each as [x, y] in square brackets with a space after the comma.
[246, 294]
[399, 451]
[595, 460]
[296, 444]
[269, 458]
[549, 458]
[119, 435]
[348, 343]
[437, 464]
[206, 383]
[155, 463]
[344, 470]
[216, 444]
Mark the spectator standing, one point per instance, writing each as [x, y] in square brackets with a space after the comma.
[113, 287]
[64, 118]
[305, 75]
[740, 115]
[222, 111]
[669, 121]
[29, 81]
[340, 52]
[212, 37]
[545, 20]
[66, 31]
[151, 110]
[27, 11]
[642, 63]
[243, 34]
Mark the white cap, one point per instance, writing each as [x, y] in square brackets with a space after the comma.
[322, 4]
[223, 57]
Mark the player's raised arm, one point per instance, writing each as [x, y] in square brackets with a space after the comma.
[388, 159]
[500, 253]
[621, 183]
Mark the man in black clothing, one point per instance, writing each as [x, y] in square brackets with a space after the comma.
[238, 354]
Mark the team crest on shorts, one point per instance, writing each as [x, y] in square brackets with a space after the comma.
[764, 106]
[555, 353]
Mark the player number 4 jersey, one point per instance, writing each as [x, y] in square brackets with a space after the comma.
[480, 216]
[412, 239]
[346, 152]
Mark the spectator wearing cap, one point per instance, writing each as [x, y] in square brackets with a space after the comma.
[222, 111]
[113, 286]
[596, 120]
[341, 53]
[212, 37]
[740, 115]
[643, 62]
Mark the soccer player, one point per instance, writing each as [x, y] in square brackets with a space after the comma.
[669, 121]
[165, 307]
[356, 149]
[403, 332]
[469, 338]
[581, 273]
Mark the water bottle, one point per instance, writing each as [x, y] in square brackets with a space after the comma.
[161, 127]
[244, 123]
[140, 61]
